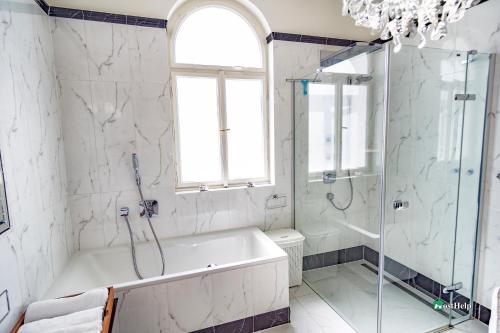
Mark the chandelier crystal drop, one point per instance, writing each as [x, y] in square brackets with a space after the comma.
[402, 18]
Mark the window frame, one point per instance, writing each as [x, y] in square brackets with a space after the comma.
[338, 82]
[184, 11]
[221, 73]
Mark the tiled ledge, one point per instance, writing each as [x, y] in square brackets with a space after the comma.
[405, 274]
[252, 324]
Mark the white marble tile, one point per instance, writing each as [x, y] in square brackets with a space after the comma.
[35, 249]
[115, 228]
[351, 290]
[270, 287]
[78, 121]
[153, 123]
[112, 107]
[153, 318]
[302, 319]
[86, 216]
[70, 49]
[190, 304]
[108, 51]
[232, 295]
[470, 326]
[148, 54]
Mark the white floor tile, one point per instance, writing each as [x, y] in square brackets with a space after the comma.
[299, 291]
[470, 326]
[352, 289]
[310, 314]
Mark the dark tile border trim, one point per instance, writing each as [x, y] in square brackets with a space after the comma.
[101, 17]
[333, 258]
[405, 274]
[45, 6]
[252, 324]
[308, 39]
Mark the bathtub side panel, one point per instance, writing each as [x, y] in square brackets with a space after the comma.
[270, 286]
[190, 304]
[203, 301]
[232, 295]
[142, 310]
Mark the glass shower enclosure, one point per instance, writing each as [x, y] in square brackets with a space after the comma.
[387, 164]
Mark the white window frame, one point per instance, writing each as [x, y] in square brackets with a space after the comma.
[339, 82]
[221, 73]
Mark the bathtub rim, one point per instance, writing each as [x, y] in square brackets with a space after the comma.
[275, 254]
[280, 255]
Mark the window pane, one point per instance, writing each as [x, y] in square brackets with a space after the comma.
[354, 108]
[245, 119]
[217, 36]
[321, 127]
[198, 129]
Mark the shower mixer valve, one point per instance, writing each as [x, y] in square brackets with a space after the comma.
[148, 208]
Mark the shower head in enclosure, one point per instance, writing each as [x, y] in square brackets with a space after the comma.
[135, 165]
[363, 79]
[349, 52]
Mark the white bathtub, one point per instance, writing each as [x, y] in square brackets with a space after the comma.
[250, 277]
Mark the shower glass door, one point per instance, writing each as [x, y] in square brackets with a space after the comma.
[420, 161]
[433, 169]
[338, 125]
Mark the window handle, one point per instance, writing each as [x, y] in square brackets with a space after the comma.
[225, 130]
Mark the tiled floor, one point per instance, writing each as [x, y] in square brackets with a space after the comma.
[471, 326]
[311, 314]
[351, 290]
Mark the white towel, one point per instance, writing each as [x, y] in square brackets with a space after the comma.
[81, 317]
[93, 327]
[63, 306]
[494, 326]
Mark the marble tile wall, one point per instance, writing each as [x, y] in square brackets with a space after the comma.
[489, 268]
[38, 244]
[115, 95]
[204, 301]
[480, 30]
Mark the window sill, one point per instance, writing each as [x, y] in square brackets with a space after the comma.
[220, 189]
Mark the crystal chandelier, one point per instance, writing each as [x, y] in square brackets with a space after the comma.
[402, 18]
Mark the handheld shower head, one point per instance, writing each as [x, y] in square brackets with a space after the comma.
[135, 165]
[363, 79]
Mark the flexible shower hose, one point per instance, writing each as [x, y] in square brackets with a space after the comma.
[132, 243]
[350, 198]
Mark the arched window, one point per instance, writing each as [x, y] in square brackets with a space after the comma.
[220, 100]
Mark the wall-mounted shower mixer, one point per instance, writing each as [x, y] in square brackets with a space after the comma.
[148, 208]
[329, 177]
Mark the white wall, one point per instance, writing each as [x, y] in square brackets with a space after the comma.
[36, 248]
[116, 100]
[312, 17]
